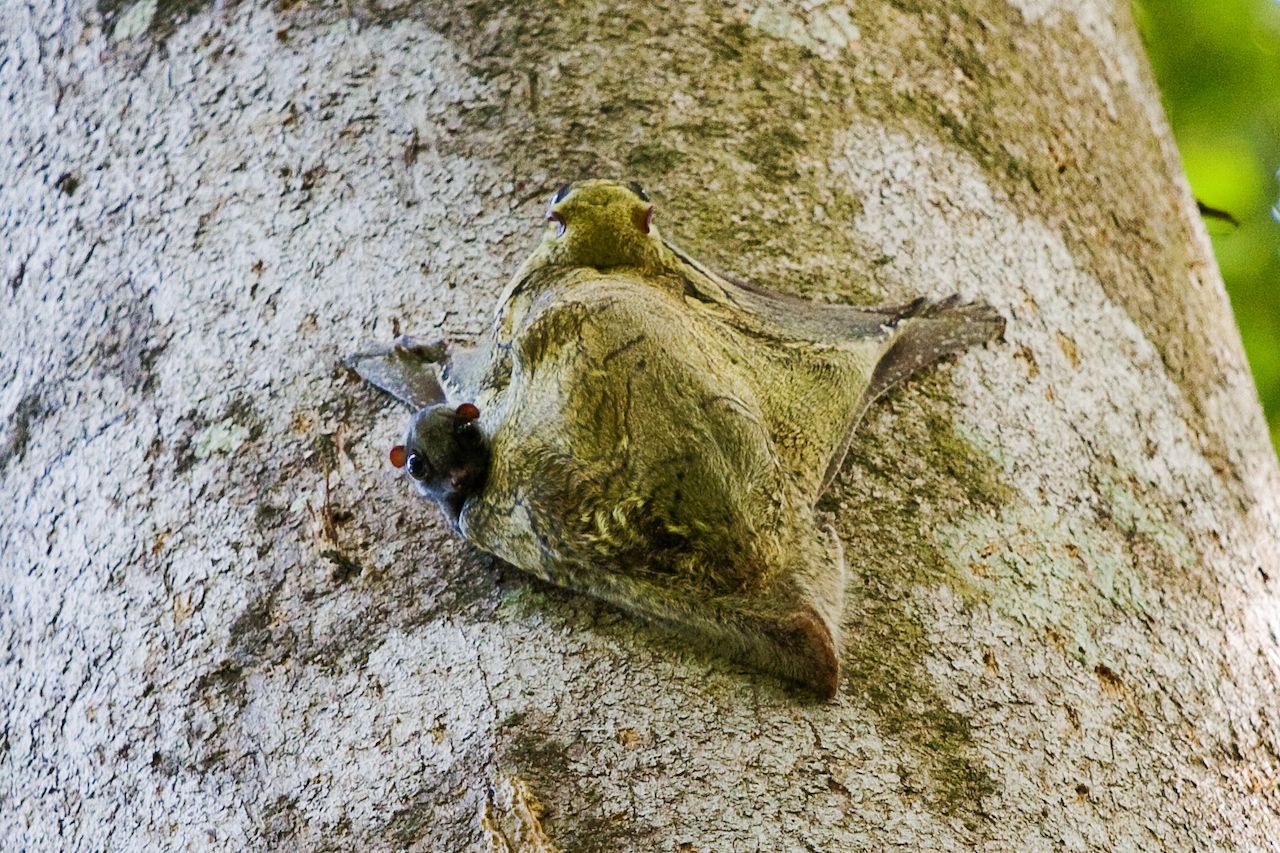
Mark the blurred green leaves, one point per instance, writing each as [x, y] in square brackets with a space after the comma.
[1218, 65]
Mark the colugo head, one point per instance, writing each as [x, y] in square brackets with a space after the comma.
[446, 455]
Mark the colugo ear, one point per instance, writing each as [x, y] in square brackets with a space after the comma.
[408, 369]
[643, 218]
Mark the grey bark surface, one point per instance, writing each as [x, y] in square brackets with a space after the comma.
[227, 625]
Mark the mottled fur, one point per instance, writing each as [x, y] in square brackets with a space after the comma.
[658, 435]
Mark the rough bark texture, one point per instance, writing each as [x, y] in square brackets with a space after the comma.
[226, 624]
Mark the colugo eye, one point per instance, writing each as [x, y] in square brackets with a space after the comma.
[417, 466]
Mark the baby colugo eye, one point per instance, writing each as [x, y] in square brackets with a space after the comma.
[553, 216]
[417, 466]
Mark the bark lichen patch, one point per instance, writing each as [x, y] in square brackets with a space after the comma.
[154, 19]
[225, 682]
[412, 822]
[755, 148]
[344, 567]
[908, 471]
[1062, 156]
[219, 696]
[282, 820]
[128, 343]
[825, 30]
[133, 20]
[18, 427]
[773, 151]
[884, 659]
[1049, 571]
[1139, 513]
[241, 411]
[251, 637]
[533, 749]
[223, 437]
[250, 640]
[1098, 447]
[235, 426]
[1114, 506]
[570, 809]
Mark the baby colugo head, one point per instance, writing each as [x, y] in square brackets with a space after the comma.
[446, 455]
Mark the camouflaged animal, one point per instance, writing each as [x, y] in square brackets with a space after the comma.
[636, 427]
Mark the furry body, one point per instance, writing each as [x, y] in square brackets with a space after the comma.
[657, 435]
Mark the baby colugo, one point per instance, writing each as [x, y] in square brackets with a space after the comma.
[636, 427]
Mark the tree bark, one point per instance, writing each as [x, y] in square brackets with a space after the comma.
[227, 625]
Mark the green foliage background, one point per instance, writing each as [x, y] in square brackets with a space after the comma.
[1218, 65]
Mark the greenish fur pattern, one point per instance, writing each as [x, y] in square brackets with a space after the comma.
[658, 434]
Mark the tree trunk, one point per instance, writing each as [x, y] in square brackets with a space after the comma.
[228, 625]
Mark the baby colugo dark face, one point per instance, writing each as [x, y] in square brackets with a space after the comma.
[446, 455]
